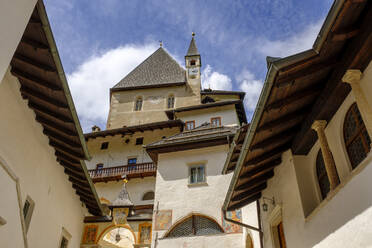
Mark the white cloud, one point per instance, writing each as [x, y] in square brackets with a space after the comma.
[294, 44]
[252, 88]
[91, 81]
[215, 80]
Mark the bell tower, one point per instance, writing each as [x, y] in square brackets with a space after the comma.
[193, 64]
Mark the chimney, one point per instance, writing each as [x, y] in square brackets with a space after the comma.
[96, 129]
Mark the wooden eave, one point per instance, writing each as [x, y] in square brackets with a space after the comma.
[241, 94]
[302, 92]
[37, 67]
[239, 106]
[138, 128]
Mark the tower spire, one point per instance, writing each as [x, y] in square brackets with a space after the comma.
[193, 50]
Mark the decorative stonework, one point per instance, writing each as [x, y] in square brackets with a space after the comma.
[319, 126]
[353, 77]
[163, 220]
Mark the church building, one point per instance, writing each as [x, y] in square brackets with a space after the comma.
[162, 154]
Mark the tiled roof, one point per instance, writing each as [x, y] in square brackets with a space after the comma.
[205, 131]
[160, 69]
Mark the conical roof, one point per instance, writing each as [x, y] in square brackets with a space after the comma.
[193, 50]
[159, 69]
[123, 198]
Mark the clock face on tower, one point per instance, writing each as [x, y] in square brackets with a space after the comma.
[193, 72]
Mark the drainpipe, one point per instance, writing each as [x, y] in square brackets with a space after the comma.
[259, 222]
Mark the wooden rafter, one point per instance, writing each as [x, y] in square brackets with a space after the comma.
[46, 111]
[281, 137]
[249, 192]
[34, 43]
[66, 150]
[261, 168]
[34, 79]
[245, 202]
[272, 153]
[30, 93]
[254, 182]
[55, 126]
[34, 63]
[61, 139]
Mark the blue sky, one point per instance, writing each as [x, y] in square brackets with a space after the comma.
[100, 41]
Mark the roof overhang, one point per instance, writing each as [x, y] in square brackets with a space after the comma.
[241, 94]
[239, 106]
[37, 66]
[298, 90]
[138, 128]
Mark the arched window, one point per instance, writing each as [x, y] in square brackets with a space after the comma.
[138, 106]
[170, 102]
[148, 196]
[356, 138]
[322, 175]
[193, 226]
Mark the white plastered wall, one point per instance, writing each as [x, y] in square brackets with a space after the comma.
[227, 113]
[174, 193]
[25, 149]
[14, 16]
[343, 218]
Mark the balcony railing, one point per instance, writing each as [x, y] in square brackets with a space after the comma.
[116, 173]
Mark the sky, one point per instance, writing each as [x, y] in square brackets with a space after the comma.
[101, 41]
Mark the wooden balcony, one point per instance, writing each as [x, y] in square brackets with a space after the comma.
[116, 173]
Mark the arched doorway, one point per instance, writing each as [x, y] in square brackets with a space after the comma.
[120, 236]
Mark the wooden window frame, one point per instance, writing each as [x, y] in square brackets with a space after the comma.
[219, 120]
[140, 98]
[99, 165]
[187, 122]
[130, 158]
[204, 174]
[360, 128]
[173, 101]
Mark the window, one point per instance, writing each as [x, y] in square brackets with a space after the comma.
[193, 226]
[104, 145]
[139, 141]
[64, 242]
[65, 238]
[148, 196]
[28, 209]
[192, 62]
[321, 173]
[132, 160]
[189, 125]
[216, 121]
[197, 174]
[356, 138]
[99, 166]
[170, 102]
[138, 106]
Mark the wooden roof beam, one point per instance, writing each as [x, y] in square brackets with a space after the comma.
[244, 202]
[345, 34]
[42, 97]
[74, 175]
[34, 43]
[81, 188]
[67, 151]
[65, 158]
[261, 168]
[70, 166]
[46, 111]
[298, 115]
[278, 138]
[34, 79]
[310, 91]
[289, 79]
[266, 155]
[255, 181]
[55, 126]
[250, 192]
[59, 138]
[33, 63]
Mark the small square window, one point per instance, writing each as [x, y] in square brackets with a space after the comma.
[189, 125]
[197, 174]
[104, 145]
[216, 121]
[139, 141]
[132, 160]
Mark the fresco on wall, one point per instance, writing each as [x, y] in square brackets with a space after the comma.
[90, 234]
[231, 227]
[163, 219]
